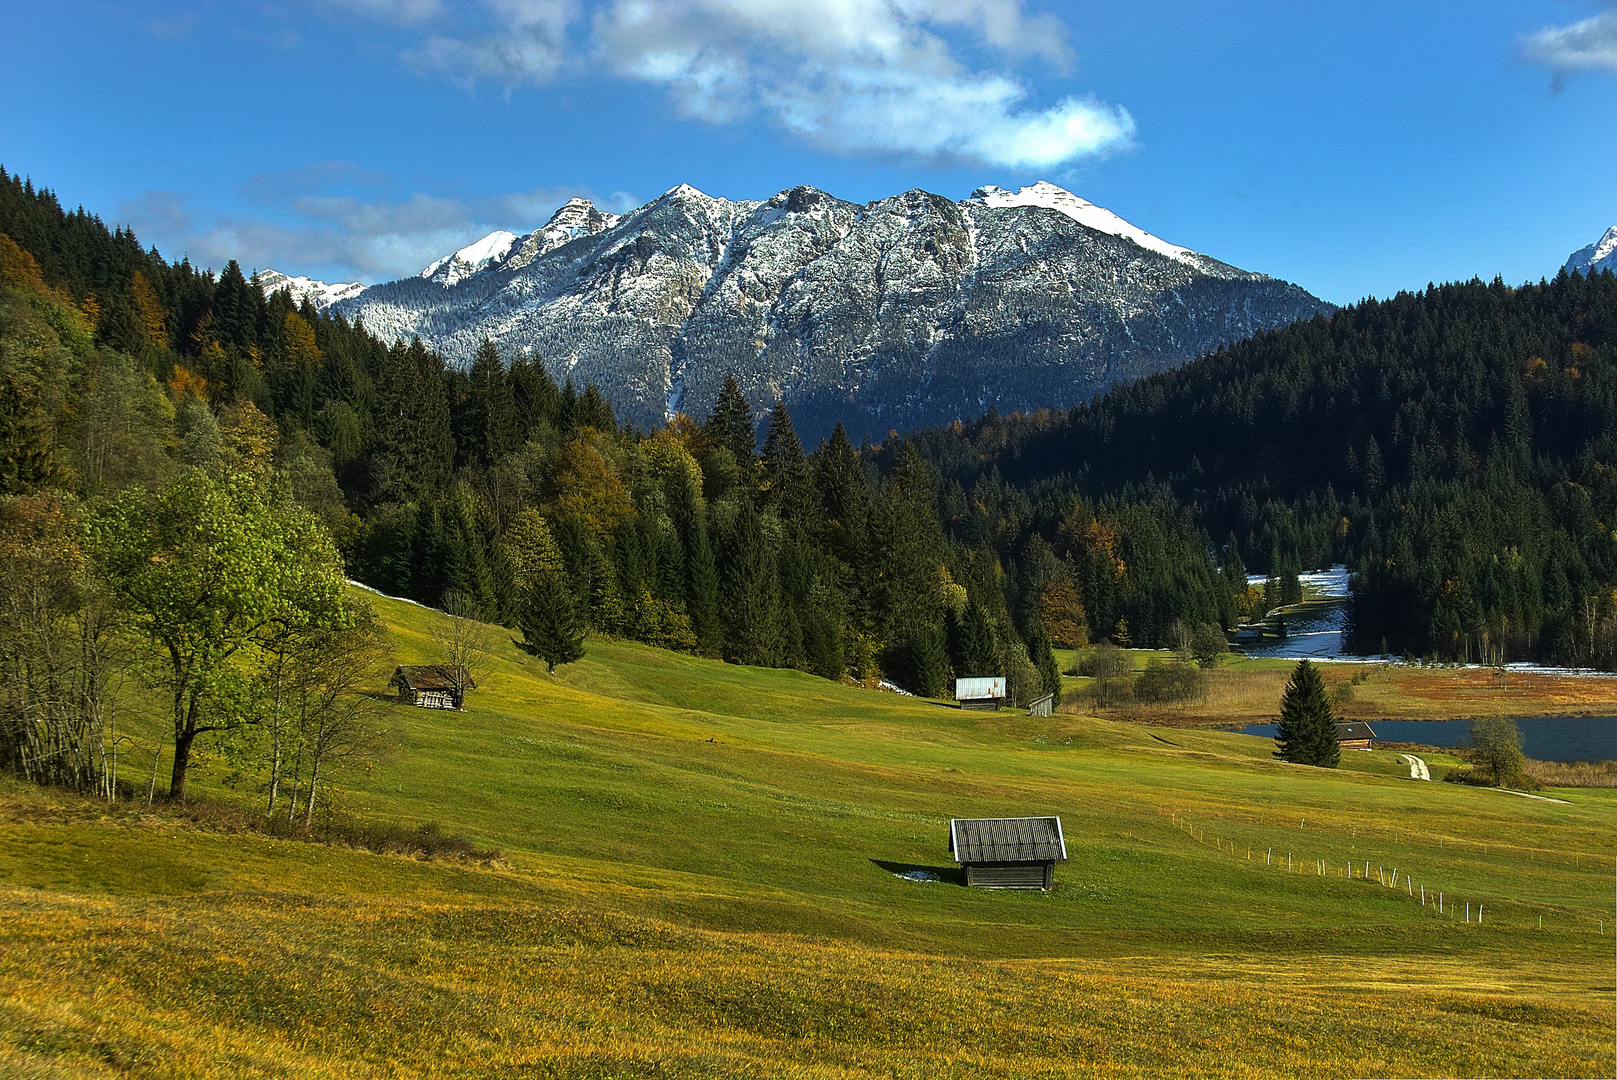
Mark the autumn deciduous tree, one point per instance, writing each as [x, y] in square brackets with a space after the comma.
[582, 486]
[202, 567]
[460, 641]
[1063, 615]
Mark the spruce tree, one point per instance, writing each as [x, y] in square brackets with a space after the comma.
[702, 595]
[927, 659]
[550, 627]
[1306, 734]
[1044, 657]
[785, 467]
[730, 424]
[973, 650]
[488, 415]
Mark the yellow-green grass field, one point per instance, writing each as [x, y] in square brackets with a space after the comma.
[700, 879]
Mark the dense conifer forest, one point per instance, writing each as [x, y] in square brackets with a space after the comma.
[1452, 446]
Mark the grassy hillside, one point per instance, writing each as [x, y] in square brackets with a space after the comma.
[700, 880]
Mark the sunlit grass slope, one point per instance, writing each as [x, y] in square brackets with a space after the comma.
[699, 883]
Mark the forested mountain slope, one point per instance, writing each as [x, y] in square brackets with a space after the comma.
[497, 484]
[1456, 446]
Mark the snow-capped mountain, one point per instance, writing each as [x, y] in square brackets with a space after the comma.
[909, 310]
[323, 295]
[1598, 256]
[490, 251]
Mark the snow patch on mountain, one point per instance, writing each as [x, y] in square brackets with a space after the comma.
[1082, 211]
[575, 219]
[322, 294]
[907, 310]
[1598, 256]
[453, 269]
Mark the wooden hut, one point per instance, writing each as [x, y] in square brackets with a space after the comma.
[1008, 853]
[432, 686]
[980, 693]
[1042, 706]
[1354, 736]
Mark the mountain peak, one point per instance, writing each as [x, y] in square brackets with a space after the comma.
[322, 294]
[914, 309]
[1598, 256]
[1082, 211]
[471, 258]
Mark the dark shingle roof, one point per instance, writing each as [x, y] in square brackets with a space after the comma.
[428, 676]
[1017, 839]
[1355, 730]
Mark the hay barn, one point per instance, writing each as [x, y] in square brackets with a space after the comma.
[980, 693]
[1354, 736]
[431, 686]
[1008, 853]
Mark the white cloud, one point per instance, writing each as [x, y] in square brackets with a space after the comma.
[528, 45]
[1589, 44]
[337, 237]
[852, 76]
[856, 76]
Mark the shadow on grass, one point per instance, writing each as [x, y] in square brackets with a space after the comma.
[943, 875]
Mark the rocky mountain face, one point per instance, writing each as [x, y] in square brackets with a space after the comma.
[909, 310]
[1598, 256]
[323, 294]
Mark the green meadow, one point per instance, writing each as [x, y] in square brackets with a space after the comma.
[700, 877]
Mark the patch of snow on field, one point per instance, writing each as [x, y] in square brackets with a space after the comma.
[385, 596]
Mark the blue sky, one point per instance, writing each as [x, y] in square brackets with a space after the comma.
[1352, 148]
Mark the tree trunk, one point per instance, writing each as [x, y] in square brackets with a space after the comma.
[182, 761]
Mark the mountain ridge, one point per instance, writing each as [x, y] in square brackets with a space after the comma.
[904, 311]
[1598, 256]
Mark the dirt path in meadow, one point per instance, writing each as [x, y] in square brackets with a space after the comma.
[1417, 767]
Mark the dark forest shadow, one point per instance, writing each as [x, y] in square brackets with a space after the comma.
[946, 875]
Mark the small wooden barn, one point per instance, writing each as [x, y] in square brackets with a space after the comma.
[431, 686]
[1008, 853]
[1042, 706]
[1355, 736]
[980, 693]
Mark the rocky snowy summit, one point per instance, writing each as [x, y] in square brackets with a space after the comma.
[322, 294]
[915, 309]
[1598, 256]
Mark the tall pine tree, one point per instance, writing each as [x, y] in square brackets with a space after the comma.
[1306, 734]
[550, 626]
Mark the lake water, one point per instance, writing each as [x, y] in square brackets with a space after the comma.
[1545, 738]
[1320, 634]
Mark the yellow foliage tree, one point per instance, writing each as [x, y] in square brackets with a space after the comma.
[583, 486]
[298, 343]
[1065, 621]
[18, 269]
[149, 309]
[247, 436]
[184, 382]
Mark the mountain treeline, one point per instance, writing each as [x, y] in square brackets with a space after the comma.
[523, 495]
[1456, 447]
